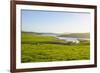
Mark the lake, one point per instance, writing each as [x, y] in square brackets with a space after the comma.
[71, 38]
[68, 39]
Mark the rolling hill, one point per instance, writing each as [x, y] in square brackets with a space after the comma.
[76, 35]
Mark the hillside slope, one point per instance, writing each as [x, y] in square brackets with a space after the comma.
[77, 35]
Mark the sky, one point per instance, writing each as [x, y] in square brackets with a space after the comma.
[55, 21]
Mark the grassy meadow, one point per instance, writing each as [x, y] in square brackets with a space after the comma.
[35, 48]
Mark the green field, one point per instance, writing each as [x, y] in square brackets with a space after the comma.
[35, 48]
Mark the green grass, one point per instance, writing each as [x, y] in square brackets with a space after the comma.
[51, 52]
[32, 38]
[77, 35]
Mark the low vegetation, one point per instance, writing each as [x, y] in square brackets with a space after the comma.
[77, 35]
[37, 48]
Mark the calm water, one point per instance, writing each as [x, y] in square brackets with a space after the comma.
[71, 39]
[67, 38]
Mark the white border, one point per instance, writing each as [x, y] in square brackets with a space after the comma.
[20, 65]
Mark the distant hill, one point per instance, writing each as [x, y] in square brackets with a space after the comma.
[77, 35]
[39, 33]
[24, 32]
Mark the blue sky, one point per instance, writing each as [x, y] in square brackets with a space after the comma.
[55, 21]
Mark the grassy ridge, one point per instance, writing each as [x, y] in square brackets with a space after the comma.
[51, 52]
[77, 35]
[31, 38]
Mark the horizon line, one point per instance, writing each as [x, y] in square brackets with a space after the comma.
[55, 32]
